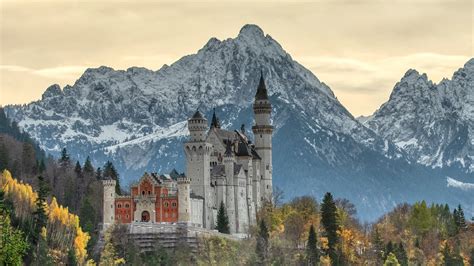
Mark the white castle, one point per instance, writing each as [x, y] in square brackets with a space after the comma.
[222, 166]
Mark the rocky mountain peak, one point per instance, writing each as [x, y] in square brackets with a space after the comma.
[52, 91]
[251, 31]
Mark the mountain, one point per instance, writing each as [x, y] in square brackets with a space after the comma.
[137, 118]
[433, 123]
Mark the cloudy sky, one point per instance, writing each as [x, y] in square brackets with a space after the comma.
[360, 48]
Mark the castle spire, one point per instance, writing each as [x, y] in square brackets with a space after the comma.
[262, 89]
[228, 149]
[215, 121]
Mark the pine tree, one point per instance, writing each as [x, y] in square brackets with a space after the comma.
[111, 172]
[71, 258]
[42, 166]
[13, 245]
[330, 224]
[378, 245]
[388, 249]
[88, 168]
[459, 218]
[262, 249]
[222, 220]
[4, 157]
[447, 259]
[401, 254]
[78, 169]
[312, 248]
[64, 161]
[40, 216]
[98, 174]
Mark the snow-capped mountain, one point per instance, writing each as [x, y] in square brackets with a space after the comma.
[137, 118]
[433, 123]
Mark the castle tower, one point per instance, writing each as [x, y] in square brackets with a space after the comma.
[262, 131]
[109, 203]
[198, 164]
[184, 200]
[229, 161]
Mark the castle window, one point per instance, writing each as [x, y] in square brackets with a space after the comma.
[143, 192]
[111, 194]
[128, 216]
[149, 192]
[111, 205]
[119, 205]
[173, 204]
[166, 204]
[127, 205]
[260, 135]
[268, 167]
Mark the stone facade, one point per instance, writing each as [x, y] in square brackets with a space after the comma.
[221, 166]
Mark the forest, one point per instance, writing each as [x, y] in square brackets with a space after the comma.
[50, 213]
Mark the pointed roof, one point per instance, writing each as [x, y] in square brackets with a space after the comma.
[197, 115]
[215, 121]
[228, 149]
[261, 90]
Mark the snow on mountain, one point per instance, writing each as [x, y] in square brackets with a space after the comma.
[137, 118]
[433, 123]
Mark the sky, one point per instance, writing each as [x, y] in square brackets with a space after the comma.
[360, 48]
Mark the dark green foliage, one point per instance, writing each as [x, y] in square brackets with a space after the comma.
[71, 258]
[401, 255]
[452, 258]
[65, 160]
[263, 245]
[88, 168]
[312, 247]
[78, 169]
[87, 214]
[222, 220]
[330, 224]
[388, 249]
[41, 166]
[459, 219]
[378, 245]
[3, 157]
[98, 174]
[40, 216]
[111, 173]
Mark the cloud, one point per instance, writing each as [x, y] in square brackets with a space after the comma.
[52, 72]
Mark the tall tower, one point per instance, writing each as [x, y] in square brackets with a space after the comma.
[184, 200]
[109, 203]
[229, 161]
[198, 164]
[262, 131]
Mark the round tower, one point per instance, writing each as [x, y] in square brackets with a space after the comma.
[262, 131]
[197, 126]
[109, 203]
[184, 200]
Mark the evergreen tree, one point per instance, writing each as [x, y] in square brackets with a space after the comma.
[98, 174]
[3, 157]
[27, 159]
[391, 260]
[41, 166]
[13, 245]
[111, 172]
[88, 218]
[222, 220]
[378, 245]
[388, 249]
[88, 168]
[330, 224]
[65, 160]
[262, 249]
[312, 248]
[447, 259]
[401, 254]
[40, 216]
[78, 169]
[459, 219]
[71, 258]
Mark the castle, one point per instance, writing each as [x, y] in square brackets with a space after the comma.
[222, 166]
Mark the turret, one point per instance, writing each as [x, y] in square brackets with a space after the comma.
[262, 131]
[198, 152]
[184, 199]
[197, 126]
[215, 121]
[229, 163]
[109, 203]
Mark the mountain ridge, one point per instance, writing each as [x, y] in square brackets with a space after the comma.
[137, 117]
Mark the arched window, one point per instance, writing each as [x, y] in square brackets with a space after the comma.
[173, 204]
[149, 192]
[143, 192]
[119, 205]
[127, 205]
[166, 204]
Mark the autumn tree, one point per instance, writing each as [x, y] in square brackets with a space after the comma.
[222, 220]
